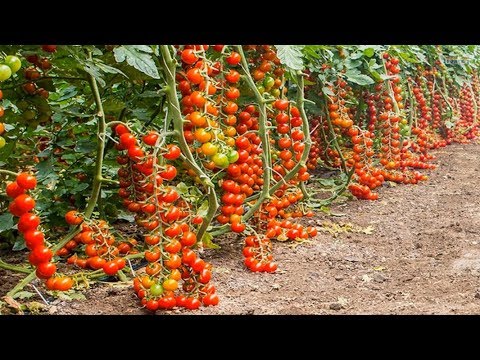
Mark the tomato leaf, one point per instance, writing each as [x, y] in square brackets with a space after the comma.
[139, 57]
[19, 244]
[207, 241]
[291, 56]
[6, 222]
[23, 295]
[93, 70]
[360, 79]
[203, 209]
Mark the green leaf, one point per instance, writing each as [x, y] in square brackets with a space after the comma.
[207, 241]
[328, 91]
[85, 146]
[113, 105]
[6, 222]
[23, 295]
[182, 189]
[47, 84]
[80, 187]
[352, 64]
[355, 56]
[139, 57]
[369, 52]
[71, 296]
[326, 182]
[359, 79]
[126, 216]
[93, 70]
[109, 69]
[40, 103]
[291, 56]
[19, 244]
[203, 209]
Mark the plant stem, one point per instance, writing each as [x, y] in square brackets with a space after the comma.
[168, 65]
[6, 266]
[101, 127]
[8, 172]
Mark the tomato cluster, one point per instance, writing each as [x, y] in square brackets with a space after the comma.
[9, 66]
[40, 255]
[165, 216]
[36, 111]
[101, 250]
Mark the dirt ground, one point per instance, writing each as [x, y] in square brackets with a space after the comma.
[422, 257]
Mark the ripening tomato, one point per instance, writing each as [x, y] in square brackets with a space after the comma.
[209, 149]
[169, 173]
[64, 283]
[33, 238]
[170, 285]
[232, 76]
[173, 262]
[26, 181]
[232, 93]
[220, 160]
[13, 190]
[188, 238]
[281, 104]
[189, 57]
[45, 270]
[110, 268]
[234, 58]
[28, 221]
[237, 227]
[173, 152]
[73, 218]
[42, 254]
[24, 202]
[195, 76]
[192, 303]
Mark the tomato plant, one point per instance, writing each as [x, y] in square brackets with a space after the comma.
[189, 142]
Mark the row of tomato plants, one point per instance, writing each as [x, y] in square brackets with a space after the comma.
[239, 123]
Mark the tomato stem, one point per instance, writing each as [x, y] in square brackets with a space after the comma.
[6, 266]
[168, 65]
[8, 172]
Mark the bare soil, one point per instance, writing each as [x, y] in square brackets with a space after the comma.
[423, 257]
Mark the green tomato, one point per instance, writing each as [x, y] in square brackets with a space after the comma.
[13, 63]
[260, 89]
[220, 160]
[275, 93]
[2, 142]
[156, 289]
[5, 72]
[233, 156]
[268, 82]
[29, 114]
[43, 117]
[110, 210]
[22, 105]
